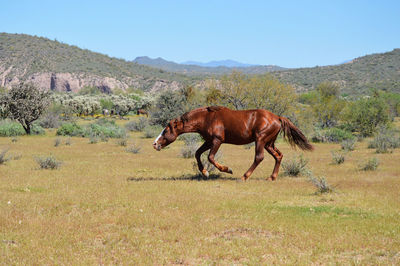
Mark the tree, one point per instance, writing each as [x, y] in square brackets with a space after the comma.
[327, 106]
[265, 92]
[3, 104]
[234, 90]
[365, 115]
[26, 103]
[168, 106]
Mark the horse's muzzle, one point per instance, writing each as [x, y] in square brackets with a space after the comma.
[157, 146]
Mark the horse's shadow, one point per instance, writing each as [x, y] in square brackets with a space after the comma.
[189, 177]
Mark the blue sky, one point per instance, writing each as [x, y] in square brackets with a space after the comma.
[284, 33]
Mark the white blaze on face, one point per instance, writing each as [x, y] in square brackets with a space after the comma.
[159, 136]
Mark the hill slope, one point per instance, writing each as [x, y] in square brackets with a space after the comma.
[381, 71]
[57, 66]
[193, 69]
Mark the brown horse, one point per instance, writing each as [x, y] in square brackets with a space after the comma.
[219, 125]
[142, 112]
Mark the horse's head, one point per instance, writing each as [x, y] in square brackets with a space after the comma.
[168, 135]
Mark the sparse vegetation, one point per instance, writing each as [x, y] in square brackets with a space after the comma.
[133, 148]
[48, 162]
[321, 184]
[338, 157]
[137, 126]
[294, 166]
[370, 165]
[385, 140]
[151, 131]
[348, 144]
[3, 158]
[57, 142]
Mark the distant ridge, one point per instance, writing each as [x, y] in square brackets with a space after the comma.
[225, 63]
[210, 68]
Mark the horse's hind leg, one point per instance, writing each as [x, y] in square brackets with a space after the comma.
[203, 148]
[277, 156]
[215, 146]
[257, 159]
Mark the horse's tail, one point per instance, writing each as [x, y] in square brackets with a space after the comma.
[293, 135]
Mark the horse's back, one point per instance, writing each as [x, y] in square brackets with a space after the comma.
[239, 126]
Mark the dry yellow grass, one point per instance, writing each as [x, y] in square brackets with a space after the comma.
[88, 212]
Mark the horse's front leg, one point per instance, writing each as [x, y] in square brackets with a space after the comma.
[199, 152]
[257, 160]
[215, 146]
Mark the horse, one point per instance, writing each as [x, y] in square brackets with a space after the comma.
[142, 112]
[217, 125]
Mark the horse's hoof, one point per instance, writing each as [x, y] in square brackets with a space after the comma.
[230, 171]
[205, 173]
[272, 178]
[243, 179]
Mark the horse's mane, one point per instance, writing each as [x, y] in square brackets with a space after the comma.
[186, 116]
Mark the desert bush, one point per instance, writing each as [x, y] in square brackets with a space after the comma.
[70, 129]
[151, 131]
[138, 125]
[321, 184]
[133, 148]
[363, 116]
[191, 144]
[10, 129]
[49, 120]
[93, 139]
[370, 165]
[207, 165]
[294, 166]
[3, 158]
[68, 141]
[348, 144]
[14, 140]
[338, 157]
[48, 162]
[122, 142]
[331, 135]
[57, 142]
[169, 105]
[385, 140]
[105, 129]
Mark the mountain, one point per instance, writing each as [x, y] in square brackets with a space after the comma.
[357, 76]
[195, 70]
[60, 67]
[225, 63]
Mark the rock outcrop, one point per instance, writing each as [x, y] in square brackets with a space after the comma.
[73, 82]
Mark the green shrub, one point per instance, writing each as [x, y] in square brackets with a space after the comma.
[332, 135]
[385, 140]
[294, 167]
[370, 165]
[57, 142]
[70, 129]
[10, 129]
[107, 130]
[348, 144]
[151, 131]
[321, 184]
[363, 116]
[138, 125]
[122, 142]
[48, 162]
[338, 157]
[3, 158]
[134, 148]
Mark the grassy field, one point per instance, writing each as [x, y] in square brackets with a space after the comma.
[90, 211]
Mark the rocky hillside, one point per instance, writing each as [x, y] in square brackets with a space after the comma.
[380, 71]
[194, 70]
[60, 67]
